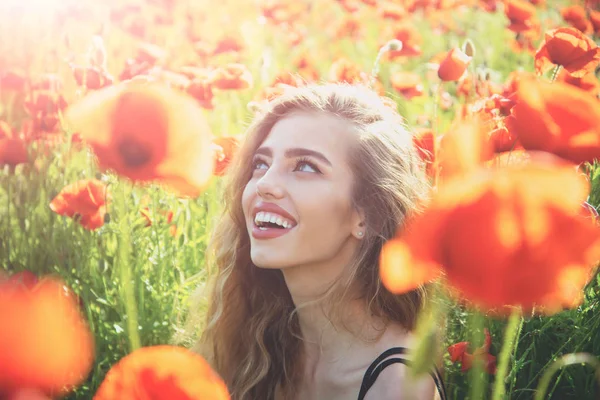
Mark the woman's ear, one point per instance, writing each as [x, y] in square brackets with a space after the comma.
[359, 225]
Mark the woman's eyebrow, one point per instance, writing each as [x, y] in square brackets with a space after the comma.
[295, 152]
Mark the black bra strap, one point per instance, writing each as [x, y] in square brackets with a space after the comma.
[381, 363]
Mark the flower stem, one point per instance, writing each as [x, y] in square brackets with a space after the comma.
[127, 290]
[477, 377]
[510, 336]
[555, 73]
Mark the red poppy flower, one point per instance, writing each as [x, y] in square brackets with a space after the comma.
[570, 48]
[225, 148]
[25, 278]
[12, 149]
[521, 14]
[45, 102]
[148, 53]
[85, 200]
[407, 84]
[595, 20]
[458, 353]
[13, 152]
[588, 82]
[166, 214]
[503, 139]
[557, 118]
[226, 45]
[350, 27]
[12, 80]
[503, 237]
[53, 362]
[454, 65]
[411, 40]
[201, 90]
[394, 11]
[576, 16]
[147, 132]
[464, 147]
[232, 77]
[344, 70]
[162, 372]
[91, 77]
[134, 68]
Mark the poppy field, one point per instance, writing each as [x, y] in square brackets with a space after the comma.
[118, 120]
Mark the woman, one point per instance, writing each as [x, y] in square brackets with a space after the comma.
[325, 176]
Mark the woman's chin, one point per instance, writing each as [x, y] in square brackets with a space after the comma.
[267, 260]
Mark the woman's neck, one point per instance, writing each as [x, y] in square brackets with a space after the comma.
[329, 333]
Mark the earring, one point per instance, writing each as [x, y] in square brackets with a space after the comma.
[360, 233]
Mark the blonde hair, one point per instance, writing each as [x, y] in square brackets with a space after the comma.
[252, 336]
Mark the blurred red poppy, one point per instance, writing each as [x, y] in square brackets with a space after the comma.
[225, 148]
[503, 237]
[521, 14]
[85, 200]
[426, 143]
[12, 80]
[201, 90]
[162, 373]
[576, 16]
[464, 147]
[459, 353]
[231, 77]
[166, 214]
[454, 65]
[595, 20]
[53, 362]
[147, 132]
[588, 82]
[91, 77]
[558, 118]
[411, 40]
[407, 84]
[344, 70]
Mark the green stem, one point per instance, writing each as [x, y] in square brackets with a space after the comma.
[514, 355]
[127, 289]
[510, 336]
[555, 73]
[8, 218]
[477, 378]
[564, 361]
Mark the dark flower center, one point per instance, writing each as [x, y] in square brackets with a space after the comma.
[135, 154]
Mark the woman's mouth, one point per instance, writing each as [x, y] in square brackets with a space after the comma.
[268, 225]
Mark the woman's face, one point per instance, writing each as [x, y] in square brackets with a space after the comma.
[297, 204]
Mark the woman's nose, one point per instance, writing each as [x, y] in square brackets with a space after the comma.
[270, 185]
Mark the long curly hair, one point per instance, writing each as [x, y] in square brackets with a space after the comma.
[252, 335]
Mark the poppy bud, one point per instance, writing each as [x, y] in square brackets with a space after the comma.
[469, 48]
[393, 45]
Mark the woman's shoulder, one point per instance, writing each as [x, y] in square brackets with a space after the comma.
[395, 382]
[390, 373]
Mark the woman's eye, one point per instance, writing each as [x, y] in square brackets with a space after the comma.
[259, 164]
[306, 166]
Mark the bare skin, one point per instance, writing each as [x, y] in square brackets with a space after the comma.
[316, 192]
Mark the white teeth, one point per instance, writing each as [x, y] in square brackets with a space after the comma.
[262, 217]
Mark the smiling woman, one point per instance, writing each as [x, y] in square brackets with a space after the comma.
[324, 178]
